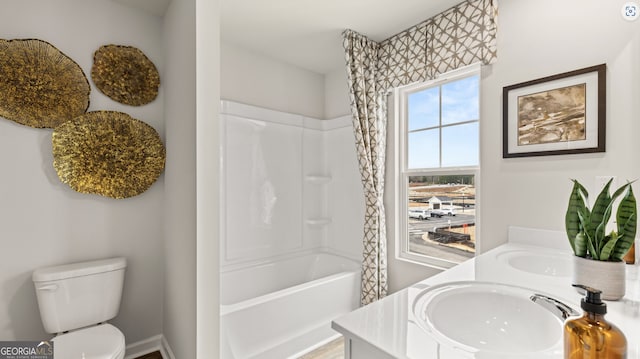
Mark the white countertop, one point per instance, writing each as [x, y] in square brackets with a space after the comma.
[389, 324]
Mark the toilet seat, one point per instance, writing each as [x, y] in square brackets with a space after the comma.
[102, 341]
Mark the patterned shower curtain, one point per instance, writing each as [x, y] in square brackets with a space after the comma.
[369, 117]
[460, 36]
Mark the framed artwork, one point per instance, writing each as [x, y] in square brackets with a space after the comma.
[556, 115]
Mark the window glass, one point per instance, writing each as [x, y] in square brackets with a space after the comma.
[424, 109]
[460, 100]
[424, 149]
[460, 145]
[448, 231]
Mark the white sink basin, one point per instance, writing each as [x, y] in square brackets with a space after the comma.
[549, 264]
[489, 319]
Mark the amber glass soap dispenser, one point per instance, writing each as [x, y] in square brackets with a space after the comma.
[591, 336]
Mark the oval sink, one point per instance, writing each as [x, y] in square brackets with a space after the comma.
[549, 264]
[489, 318]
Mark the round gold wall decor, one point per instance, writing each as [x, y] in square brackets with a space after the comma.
[108, 153]
[39, 85]
[125, 74]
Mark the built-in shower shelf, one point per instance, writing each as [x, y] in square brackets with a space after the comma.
[318, 179]
[317, 222]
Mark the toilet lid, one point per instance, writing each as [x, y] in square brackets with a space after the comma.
[103, 341]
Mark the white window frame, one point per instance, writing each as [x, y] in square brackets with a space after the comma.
[402, 173]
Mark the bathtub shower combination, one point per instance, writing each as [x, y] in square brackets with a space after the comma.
[290, 232]
[283, 308]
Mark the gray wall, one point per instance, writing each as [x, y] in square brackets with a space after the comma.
[44, 222]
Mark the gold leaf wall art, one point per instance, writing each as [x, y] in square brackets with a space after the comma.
[125, 74]
[108, 153]
[39, 85]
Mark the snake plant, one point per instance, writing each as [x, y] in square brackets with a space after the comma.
[586, 228]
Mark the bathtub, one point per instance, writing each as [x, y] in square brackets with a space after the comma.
[283, 308]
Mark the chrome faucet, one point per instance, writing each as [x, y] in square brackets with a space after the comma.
[555, 306]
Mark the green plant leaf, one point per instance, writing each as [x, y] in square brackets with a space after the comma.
[626, 218]
[611, 241]
[619, 191]
[580, 243]
[599, 208]
[571, 220]
[593, 253]
[598, 240]
[600, 237]
[625, 241]
[584, 219]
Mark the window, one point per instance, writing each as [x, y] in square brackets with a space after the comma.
[437, 164]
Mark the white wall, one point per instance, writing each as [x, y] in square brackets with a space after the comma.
[336, 94]
[255, 79]
[179, 311]
[208, 177]
[44, 222]
[576, 34]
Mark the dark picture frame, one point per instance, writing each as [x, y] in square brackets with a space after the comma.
[555, 115]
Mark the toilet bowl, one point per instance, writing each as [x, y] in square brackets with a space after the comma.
[102, 341]
[75, 301]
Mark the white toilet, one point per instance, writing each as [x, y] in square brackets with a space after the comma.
[75, 301]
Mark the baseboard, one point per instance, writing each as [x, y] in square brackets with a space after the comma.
[165, 349]
[149, 345]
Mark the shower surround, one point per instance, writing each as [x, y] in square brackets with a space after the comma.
[292, 214]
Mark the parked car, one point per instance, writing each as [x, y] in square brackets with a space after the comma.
[419, 213]
[443, 212]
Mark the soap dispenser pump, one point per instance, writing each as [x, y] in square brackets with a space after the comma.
[591, 336]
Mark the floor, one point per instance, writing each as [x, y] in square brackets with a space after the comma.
[154, 355]
[331, 350]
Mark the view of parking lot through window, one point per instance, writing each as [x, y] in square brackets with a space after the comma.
[442, 216]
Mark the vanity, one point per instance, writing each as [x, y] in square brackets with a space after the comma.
[506, 303]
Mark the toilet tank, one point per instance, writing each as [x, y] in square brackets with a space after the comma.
[77, 295]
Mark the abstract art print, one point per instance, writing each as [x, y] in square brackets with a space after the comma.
[555, 115]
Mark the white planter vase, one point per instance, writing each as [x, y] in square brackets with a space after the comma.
[609, 277]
